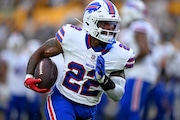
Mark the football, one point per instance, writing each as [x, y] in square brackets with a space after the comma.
[47, 71]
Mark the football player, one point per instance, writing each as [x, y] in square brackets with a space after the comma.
[142, 37]
[93, 63]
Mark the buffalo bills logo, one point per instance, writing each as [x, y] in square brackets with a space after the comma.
[93, 7]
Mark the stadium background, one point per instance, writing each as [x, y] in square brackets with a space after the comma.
[40, 19]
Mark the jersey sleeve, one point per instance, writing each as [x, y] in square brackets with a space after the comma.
[126, 56]
[67, 34]
[138, 27]
[120, 57]
[61, 33]
[131, 60]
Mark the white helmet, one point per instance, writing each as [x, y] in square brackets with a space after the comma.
[132, 10]
[101, 11]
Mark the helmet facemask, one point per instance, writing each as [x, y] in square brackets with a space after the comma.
[108, 30]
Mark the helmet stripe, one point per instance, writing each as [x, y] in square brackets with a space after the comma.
[110, 6]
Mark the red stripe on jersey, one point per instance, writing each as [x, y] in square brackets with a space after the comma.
[88, 41]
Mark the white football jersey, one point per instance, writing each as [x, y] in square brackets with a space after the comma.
[78, 82]
[144, 69]
[16, 71]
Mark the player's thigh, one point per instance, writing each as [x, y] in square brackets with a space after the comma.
[59, 108]
[125, 102]
[136, 92]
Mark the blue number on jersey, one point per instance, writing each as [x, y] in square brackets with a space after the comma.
[124, 46]
[76, 27]
[78, 77]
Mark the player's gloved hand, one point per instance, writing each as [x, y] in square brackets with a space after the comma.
[32, 83]
[100, 76]
[100, 69]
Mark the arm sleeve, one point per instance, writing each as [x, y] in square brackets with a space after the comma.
[117, 93]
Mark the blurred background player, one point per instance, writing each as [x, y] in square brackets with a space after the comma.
[162, 96]
[22, 103]
[15, 72]
[4, 88]
[142, 37]
[39, 19]
[92, 64]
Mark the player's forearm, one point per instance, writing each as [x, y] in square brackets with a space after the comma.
[33, 61]
[118, 91]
